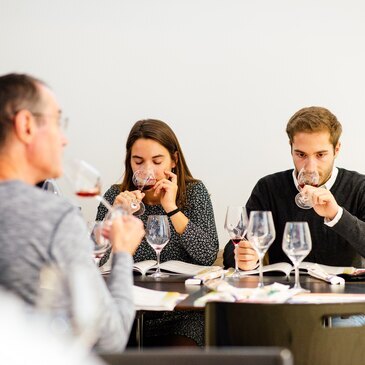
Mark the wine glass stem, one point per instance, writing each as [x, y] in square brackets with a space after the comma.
[236, 258]
[158, 270]
[104, 202]
[261, 275]
[297, 282]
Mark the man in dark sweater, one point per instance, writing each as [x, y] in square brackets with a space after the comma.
[337, 220]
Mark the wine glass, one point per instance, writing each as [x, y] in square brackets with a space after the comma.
[86, 181]
[97, 231]
[70, 302]
[143, 179]
[158, 235]
[261, 234]
[236, 224]
[297, 244]
[51, 186]
[306, 177]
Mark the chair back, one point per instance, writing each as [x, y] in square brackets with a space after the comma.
[299, 327]
[184, 356]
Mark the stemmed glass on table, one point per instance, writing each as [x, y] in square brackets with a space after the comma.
[158, 235]
[236, 224]
[261, 234]
[306, 177]
[143, 179]
[297, 244]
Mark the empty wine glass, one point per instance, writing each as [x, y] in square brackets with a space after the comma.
[143, 179]
[306, 177]
[98, 235]
[158, 235]
[261, 234]
[85, 180]
[236, 224]
[51, 186]
[297, 244]
[70, 302]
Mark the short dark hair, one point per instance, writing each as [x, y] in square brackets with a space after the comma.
[17, 92]
[314, 119]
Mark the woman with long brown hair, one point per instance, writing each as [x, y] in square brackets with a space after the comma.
[152, 144]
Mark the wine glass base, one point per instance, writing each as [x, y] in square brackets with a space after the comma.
[302, 204]
[159, 275]
[140, 211]
[236, 274]
[299, 289]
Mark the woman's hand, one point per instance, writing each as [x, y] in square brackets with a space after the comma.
[126, 198]
[167, 190]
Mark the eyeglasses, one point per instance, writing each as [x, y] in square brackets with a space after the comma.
[62, 122]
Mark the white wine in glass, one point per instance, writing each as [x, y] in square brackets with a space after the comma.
[261, 234]
[236, 225]
[158, 235]
[297, 243]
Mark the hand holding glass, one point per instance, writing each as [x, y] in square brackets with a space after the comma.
[236, 224]
[297, 244]
[306, 177]
[261, 234]
[143, 179]
[158, 235]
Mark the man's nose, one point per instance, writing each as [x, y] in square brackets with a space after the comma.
[311, 164]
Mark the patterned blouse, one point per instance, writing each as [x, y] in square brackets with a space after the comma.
[199, 242]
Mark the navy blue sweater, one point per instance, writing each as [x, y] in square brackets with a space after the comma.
[341, 245]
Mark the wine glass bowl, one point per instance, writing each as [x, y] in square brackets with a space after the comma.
[143, 179]
[236, 225]
[101, 243]
[158, 235]
[261, 234]
[297, 244]
[86, 180]
[51, 186]
[306, 177]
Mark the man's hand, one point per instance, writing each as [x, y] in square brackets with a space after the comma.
[324, 203]
[246, 255]
[126, 234]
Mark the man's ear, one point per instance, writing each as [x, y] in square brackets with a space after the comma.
[24, 126]
[337, 148]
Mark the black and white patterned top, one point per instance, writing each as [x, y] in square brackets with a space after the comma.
[199, 242]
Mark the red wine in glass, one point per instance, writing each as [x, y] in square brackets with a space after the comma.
[86, 181]
[236, 224]
[306, 177]
[88, 193]
[143, 180]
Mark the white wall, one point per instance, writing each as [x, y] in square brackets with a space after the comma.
[225, 74]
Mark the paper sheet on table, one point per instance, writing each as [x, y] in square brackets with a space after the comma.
[155, 300]
[224, 292]
[318, 298]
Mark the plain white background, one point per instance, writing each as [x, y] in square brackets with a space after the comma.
[225, 74]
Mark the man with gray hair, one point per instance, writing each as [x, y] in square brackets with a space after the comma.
[39, 229]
